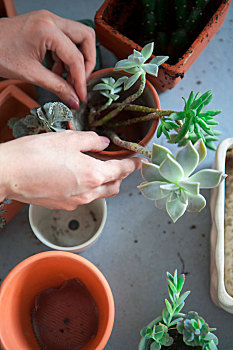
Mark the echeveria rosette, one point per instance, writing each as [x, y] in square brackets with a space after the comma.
[196, 332]
[197, 123]
[136, 64]
[170, 183]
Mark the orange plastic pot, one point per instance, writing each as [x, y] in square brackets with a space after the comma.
[141, 133]
[13, 103]
[36, 274]
[28, 88]
[113, 15]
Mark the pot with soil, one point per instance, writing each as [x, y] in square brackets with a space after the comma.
[55, 300]
[140, 133]
[221, 278]
[180, 29]
[72, 231]
[175, 330]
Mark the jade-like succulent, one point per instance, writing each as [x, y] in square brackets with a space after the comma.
[170, 182]
[193, 328]
[196, 331]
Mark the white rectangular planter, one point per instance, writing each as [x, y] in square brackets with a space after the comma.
[218, 291]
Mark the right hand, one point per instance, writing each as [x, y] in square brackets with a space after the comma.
[52, 170]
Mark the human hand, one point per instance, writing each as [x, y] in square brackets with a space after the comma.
[24, 41]
[51, 170]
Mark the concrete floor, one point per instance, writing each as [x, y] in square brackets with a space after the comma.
[139, 243]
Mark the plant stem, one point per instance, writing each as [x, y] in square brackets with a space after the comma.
[132, 146]
[122, 105]
[135, 120]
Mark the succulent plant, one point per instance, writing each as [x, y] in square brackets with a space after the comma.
[196, 332]
[50, 117]
[169, 180]
[191, 326]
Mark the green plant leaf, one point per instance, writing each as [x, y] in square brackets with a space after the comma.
[171, 170]
[150, 172]
[201, 149]
[151, 69]
[155, 346]
[152, 190]
[147, 50]
[128, 83]
[196, 203]
[169, 307]
[159, 154]
[158, 60]
[180, 283]
[175, 209]
[191, 187]
[188, 158]
[208, 178]
[183, 131]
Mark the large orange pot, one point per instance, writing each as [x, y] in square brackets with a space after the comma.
[115, 18]
[141, 133]
[38, 273]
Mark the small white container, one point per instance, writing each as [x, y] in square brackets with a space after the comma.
[218, 291]
[72, 231]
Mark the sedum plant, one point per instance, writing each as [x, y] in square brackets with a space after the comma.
[193, 330]
[169, 180]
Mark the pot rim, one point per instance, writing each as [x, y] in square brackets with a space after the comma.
[171, 68]
[218, 291]
[148, 136]
[76, 248]
[25, 264]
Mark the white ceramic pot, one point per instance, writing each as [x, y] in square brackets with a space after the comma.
[218, 267]
[72, 231]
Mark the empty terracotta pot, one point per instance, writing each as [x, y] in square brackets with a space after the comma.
[38, 273]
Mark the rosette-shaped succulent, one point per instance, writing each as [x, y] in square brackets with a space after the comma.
[170, 182]
[196, 332]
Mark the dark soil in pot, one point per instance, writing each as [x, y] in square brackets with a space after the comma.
[172, 36]
[65, 318]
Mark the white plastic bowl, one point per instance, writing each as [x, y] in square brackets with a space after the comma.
[72, 231]
[218, 291]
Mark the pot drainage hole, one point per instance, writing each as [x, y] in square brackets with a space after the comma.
[73, 225]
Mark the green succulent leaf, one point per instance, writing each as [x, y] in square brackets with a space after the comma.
[175, 209]
[151, 69]
[150, 172]
[155, 346]
[158, 60]
[190, 187]
[196, 203]
[201, 149]
[130, 81]
[207, 178]
[188, 158]
[159, 154]
[152, 190]
[171, 170]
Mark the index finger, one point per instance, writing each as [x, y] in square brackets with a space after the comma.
[84, 36]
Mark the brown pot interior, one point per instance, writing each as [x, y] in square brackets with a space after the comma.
[126, 16]
[135, 132]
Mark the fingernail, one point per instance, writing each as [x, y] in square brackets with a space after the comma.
[105, 139]
[73, 103]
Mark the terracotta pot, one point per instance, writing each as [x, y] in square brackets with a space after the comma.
[13, 103]
[113, 15]
[141, 133]
[38, 273]
[7, 8]
[29, 89]
[73, 231]
[221, 290]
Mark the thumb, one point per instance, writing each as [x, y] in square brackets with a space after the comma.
[90, 141]
[49, 80]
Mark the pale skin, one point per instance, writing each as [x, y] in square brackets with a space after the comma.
[53, 169]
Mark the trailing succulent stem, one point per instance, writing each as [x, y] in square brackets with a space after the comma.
[191, 326]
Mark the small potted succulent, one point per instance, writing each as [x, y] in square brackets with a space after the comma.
[176, 330]
[169, 179]
[181, 29]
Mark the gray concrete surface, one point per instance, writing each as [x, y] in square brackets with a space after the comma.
[139, 243]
